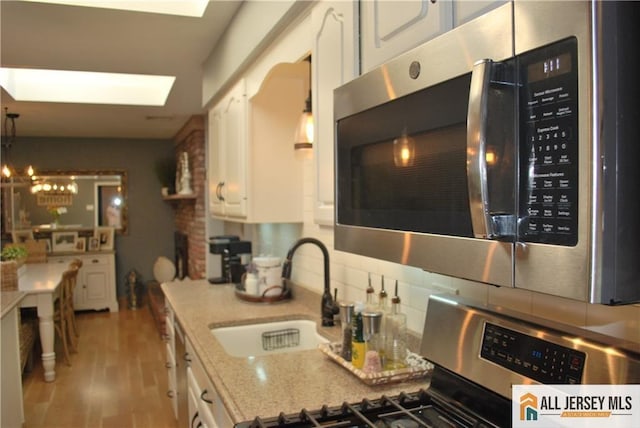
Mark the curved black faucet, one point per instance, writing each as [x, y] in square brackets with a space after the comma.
[328, 307]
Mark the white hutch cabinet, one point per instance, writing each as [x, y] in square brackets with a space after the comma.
[96, 286]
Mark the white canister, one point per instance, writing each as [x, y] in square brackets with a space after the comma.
[269, 270]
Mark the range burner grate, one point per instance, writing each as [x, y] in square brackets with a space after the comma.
[416, 409]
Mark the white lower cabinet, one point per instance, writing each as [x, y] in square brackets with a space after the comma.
[11, 409]
[211, 410]
[205, 407]
[96, 286]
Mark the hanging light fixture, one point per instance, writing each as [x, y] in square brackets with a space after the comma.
[9, 139]
[304, 131]
[404, 150]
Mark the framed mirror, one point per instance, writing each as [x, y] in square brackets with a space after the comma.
[97, 198]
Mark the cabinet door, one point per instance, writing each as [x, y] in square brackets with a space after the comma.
[234, 124]
[465, 10]
[216, 161]
[334, 62]
[172, 383]
[391, 27]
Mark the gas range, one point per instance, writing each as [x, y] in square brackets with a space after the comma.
[424, 408]
[478, 353]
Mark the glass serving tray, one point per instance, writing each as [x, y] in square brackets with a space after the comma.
[417, 367]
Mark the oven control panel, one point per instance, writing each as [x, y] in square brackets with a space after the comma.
[538, 359]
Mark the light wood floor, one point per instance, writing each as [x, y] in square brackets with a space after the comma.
[117, 379]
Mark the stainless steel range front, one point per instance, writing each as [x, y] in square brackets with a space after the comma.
[479, 353]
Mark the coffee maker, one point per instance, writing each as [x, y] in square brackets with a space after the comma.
[232, 255]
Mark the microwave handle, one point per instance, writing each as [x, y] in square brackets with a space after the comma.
[481, 220]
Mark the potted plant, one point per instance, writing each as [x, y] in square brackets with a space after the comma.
[166, 173]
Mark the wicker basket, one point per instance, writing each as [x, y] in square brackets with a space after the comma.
[9, 275]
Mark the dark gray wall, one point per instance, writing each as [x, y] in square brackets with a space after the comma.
[151, 221]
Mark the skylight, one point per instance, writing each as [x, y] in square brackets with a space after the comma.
[62, 86]
[193, 8]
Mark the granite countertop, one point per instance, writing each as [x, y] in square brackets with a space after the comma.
[9, 300]
[267, 385]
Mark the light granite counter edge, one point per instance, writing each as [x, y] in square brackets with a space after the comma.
[266, 386]
[9, 300]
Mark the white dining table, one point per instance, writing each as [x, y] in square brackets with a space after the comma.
[40, 283]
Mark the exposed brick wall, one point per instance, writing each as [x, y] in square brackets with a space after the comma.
[189, 213]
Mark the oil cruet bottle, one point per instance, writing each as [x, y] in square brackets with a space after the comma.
[383, 307]
[370, 300]
[395, 335]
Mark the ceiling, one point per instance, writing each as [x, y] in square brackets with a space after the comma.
[40, 35]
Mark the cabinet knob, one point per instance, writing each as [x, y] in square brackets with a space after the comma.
[168, 365]
[171, 394]
[186, 357]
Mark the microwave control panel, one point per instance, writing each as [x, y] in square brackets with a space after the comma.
[532, 357]
[549, 144]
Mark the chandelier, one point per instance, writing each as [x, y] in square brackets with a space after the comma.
[8, 140]
[44, 186]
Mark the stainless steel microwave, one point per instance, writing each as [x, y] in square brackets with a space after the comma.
[505, 151]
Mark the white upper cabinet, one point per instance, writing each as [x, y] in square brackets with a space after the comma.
[254, 176]
[389, 28]
[466, 10]
[227, 154]
[334, 62]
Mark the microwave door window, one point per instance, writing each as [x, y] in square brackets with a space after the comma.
[429, 196]
[402, 165]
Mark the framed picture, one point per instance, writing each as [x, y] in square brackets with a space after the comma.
[81, 245]
[105, 236]
[94, 244]
[20, 236]
[64, 241]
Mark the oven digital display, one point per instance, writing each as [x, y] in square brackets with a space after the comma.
[529, 356]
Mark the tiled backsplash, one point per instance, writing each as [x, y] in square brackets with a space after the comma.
[349, 275]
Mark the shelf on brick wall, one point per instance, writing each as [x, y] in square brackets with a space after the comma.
[176, 197]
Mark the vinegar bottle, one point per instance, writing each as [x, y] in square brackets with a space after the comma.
[395, 335]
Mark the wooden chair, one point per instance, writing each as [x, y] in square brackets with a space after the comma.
[60, 313]
[36, 251]
[71, 312]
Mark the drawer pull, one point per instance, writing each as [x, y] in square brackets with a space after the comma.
[186, 357]
[171, 394]
[206, 400]
[168, 365]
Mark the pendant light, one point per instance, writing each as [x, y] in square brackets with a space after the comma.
[404, 150]
[304, 131]
[9, 139]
